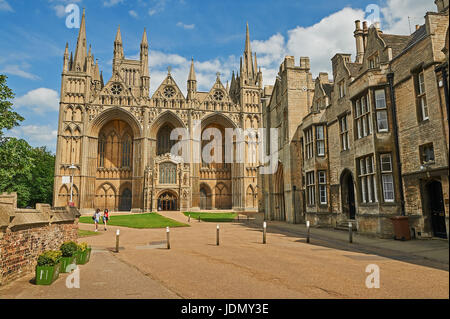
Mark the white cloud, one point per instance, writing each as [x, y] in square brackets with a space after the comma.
[112, 3]
[60, 10]
[36, 135]
[185, 26]
[133, 13]
[157, 6]
[4, 6]
[396, 13]
[18, 71]
[40, 100]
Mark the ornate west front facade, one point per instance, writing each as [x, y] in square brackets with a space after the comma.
[118, 137]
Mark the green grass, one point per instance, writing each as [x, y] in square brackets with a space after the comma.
[213, 217]
[140, 221]
[86, 233]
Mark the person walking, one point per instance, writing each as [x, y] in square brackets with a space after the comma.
[105, 217]
[96, 219]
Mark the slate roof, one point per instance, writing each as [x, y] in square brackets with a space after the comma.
[396, 42]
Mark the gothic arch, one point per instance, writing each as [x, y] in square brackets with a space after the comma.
[105, 197]
[218, 118]
[164, 118]
[115, 113]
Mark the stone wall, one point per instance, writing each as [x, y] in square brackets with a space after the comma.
[26, 233]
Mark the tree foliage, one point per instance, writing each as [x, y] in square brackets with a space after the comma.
[8, 118]
[25, 170]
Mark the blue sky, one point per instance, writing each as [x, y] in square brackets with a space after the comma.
[33, 35]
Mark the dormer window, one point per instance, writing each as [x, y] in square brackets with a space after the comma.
[374, 61]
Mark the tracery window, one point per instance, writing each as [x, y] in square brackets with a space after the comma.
[167, 173]
[126, 151]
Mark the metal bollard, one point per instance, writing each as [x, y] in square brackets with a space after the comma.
[189, 219]
[350, 232]
[264, 233]
[307, 231]
[218, 235]
[168, 237]
[199, 218]
[117, 240]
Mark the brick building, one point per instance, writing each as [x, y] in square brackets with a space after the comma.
[370, 144]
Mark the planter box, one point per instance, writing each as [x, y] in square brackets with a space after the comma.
[65, 262]
[46, 275]
[83, 257]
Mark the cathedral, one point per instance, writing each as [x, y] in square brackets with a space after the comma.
[114, 139]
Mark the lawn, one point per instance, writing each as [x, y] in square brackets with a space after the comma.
[86, 233]
[140, 221]
[213, 217]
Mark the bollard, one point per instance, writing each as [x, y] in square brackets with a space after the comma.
[238, 217]
[189, 219]
[218, 235]
[248, 218]
[168, 237]
[307, 231]
[350, 232]
[264, 233]
[199, 218]
[117, 240]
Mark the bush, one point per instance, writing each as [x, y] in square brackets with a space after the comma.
[68, 249]
[83, 247]
[49, 258]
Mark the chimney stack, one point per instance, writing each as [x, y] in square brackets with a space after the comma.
[359, 36]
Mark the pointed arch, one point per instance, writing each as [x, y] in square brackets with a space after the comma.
[164, 118]
[114, 113]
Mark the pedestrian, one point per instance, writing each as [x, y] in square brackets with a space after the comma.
[96, 219]
[105, 217]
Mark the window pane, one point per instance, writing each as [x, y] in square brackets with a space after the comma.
[380, 99]
[388, 188]
[382, 121]
[386, 163]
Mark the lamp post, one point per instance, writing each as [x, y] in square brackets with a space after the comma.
[72, 170]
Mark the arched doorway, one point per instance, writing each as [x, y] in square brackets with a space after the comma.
[348, 195]
[436, 208]
[125, 200]
[167, 202]
[205, 197]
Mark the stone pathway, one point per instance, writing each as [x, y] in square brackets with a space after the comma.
[241, 267]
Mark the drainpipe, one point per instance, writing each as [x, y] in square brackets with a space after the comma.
[443, 68]
[390, 78]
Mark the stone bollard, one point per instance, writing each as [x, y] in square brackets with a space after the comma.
[264, 233]
[218, 235]
[308, 231]
[117, 240]
[168, 237]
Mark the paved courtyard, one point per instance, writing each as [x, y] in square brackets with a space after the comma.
[242, 267]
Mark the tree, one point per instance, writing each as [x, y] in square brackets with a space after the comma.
[8, 118]
[25, 170]
[42, 176]
[16, 167]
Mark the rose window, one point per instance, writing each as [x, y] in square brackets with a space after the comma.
[169, 92]
[218, 96]
[116, 89]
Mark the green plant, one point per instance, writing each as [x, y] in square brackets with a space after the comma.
[49, 258]
[68, 249]
[83, 247]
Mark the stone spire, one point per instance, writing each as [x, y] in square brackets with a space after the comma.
[81, 51]
[66, 60]
[192, 76]
[145, 75]
[248, 66]
[118, 49]
[144, 54]
[192, 82]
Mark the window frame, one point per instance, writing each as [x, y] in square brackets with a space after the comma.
[387, 173]
[381, 110]
[322, 187]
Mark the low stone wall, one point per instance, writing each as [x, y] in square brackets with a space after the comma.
[26, 233]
